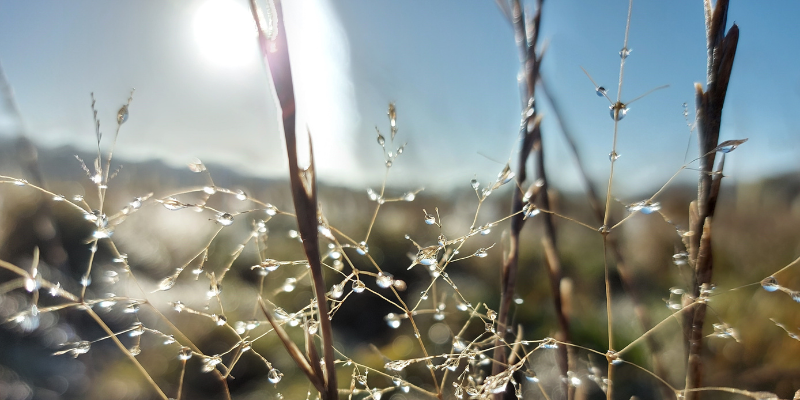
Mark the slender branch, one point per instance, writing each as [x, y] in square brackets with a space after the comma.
[303, 182]
[721, 49]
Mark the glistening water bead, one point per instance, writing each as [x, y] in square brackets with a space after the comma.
[618, 111]
[384, 280]
[225, 219]
[274, 375]
[770, 284]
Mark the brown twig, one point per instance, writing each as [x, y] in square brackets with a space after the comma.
[721, 52]
[526, 33]
[303, 183]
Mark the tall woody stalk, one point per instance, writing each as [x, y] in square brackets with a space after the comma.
[721, 51]
[526, 33]
[304, 193]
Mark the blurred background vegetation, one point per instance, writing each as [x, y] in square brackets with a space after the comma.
[756, 234]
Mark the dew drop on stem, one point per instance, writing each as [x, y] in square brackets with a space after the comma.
[225, 219]
[384, 279]
[184, 353]
[337, 290]
[122, 114]
[274, 376]
[618, 111]
[358, 286]
[770, 284]
[624, 53]
[601, 91]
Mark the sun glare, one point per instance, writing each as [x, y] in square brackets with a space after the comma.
[225, 33]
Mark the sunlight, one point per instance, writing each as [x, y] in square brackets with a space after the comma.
[225, 33]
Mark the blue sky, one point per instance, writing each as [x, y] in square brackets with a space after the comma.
[449, 65]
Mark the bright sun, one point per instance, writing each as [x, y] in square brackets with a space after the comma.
[225, 33]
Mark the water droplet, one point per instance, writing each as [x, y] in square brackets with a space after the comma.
[210, 189]
[358, 286]
[481, 253]
[224, 219]
[572, 379]
[184, 353]
[197, 166]
[430, 219]
[384, 279]
[177, 306]
[795, 296]
[138, 329]
[20, 182]
[131, 308]
[397, 365]
[530, 210]
[438, 316]
[77, 198]
[506, 175]
[172, 204]
[312, 326]
[486, 229]
[274, 375]
[166, 283]
[624, 53]
[613, 156]
[729, 145]
[770, 284]
[59, 197]
[214, 289]
[680, 258]
[645, 207]
[381, 140]
[613, 357]
[618, 111]
[122, 114]
[337, 290]
[241, 195]
[289, 284]
[388, 163]
[409, 196]
[601, 91]
[393, 320]
[492, 314]
[169, 339]
[475, 184]
[209, 363]
[549, 343]
[219, 319]
[135, 350]
[489, 327]
[362, 248]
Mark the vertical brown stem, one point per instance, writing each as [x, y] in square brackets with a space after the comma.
[303, 183]
[721, 52]
[526, 33]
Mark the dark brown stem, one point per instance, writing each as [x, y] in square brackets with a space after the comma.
[527, 33]
[303, 183]
[721, 52]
